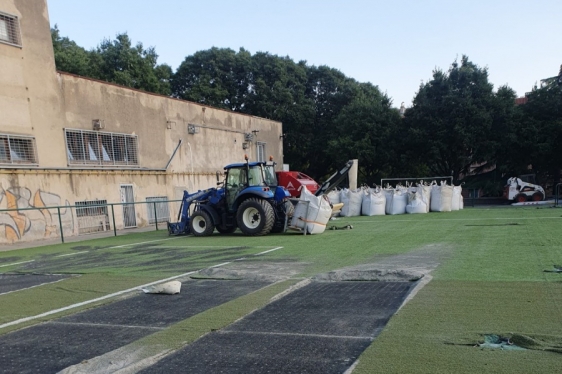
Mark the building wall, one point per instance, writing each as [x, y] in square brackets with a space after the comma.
[37, 101]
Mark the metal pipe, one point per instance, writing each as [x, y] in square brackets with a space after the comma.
[60, 225]
[173, 154]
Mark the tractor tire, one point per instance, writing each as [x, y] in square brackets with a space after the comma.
[255, 217]
[521, 198]
[287, 209]
[201, 224]
[537, 196]
[226, 230]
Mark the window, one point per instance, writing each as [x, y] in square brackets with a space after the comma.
[92, 216]
[85, 147]
[17, 149]
[260, 151]
[9, 29]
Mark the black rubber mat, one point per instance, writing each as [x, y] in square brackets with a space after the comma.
[158, 310]
[14, 282]
[53, 346]
[321, 328]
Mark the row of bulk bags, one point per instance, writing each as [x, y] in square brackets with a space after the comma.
[312, 213]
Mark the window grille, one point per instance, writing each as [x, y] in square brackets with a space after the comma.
[92, 216]
[9, 30]
[162, 211]
[85, 147]
[17, 149]
[260, 148]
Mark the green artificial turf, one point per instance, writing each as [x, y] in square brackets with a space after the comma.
[491, 280]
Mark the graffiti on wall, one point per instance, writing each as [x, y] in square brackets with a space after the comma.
[32, 224]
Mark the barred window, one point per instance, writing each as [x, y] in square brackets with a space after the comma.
[9, 29]
[92, 216]
[260, 150]
[17, 149]
[84, 147]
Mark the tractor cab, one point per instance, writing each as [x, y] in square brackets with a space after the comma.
[243, 179]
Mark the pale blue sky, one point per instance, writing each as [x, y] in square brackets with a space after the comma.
[394, 45]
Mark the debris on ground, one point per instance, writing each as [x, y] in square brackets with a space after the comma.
[557, 269]
[168, 288]
[346, 227]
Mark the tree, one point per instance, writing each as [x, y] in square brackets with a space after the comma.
[119, 62]
[70, 57]
[217, 77]
[453, 117]
[542, 127]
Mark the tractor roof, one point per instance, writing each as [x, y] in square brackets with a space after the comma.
[243, 164]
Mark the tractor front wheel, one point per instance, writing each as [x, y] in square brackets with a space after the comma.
[201, 224]
[255, 217]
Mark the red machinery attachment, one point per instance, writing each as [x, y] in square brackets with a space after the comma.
[293, 180]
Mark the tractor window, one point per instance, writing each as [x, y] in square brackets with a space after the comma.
[236, 177]
[255, 178]
[270, 177]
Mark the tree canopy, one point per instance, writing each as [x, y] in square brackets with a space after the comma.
[457, 124]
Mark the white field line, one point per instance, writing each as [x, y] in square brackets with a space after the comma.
[264, 252]
[150, 241]
[26, 319]
[72, 254]
[37, 285]
[16, 263]
[460, 219]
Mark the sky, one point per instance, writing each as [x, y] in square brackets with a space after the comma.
[393, 45]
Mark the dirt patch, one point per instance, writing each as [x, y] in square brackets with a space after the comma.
[255, 271]
[410, 266]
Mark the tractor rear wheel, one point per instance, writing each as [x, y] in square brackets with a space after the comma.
[521, 198]
[284, 211]
[537, 196]
[201, 224]
[255, 217]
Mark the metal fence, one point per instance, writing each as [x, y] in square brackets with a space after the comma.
[86, 217]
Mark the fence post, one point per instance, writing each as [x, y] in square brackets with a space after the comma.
[155, 215]
[113, 217]
[60, 225]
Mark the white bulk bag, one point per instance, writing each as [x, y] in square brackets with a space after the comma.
[399, 202]
[373, 203]
[456, 199]
[351, 200]
[425, 191]
[334, 196]
[314, 219]
[441, 198]
[416, 203]
[388, 195]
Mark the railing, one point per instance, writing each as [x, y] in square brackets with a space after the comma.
[48, 222]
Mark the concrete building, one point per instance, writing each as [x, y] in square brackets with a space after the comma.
[67, 140]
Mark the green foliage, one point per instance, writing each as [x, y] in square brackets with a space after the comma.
[453, 116]
[115, 61]
[70, 57]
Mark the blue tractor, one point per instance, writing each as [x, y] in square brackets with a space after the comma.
[249, 199]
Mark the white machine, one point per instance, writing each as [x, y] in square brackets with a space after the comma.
[520, 191]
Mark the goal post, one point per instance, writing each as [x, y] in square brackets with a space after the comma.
[396, 181]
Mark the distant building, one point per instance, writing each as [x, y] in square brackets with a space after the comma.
[67, 140]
